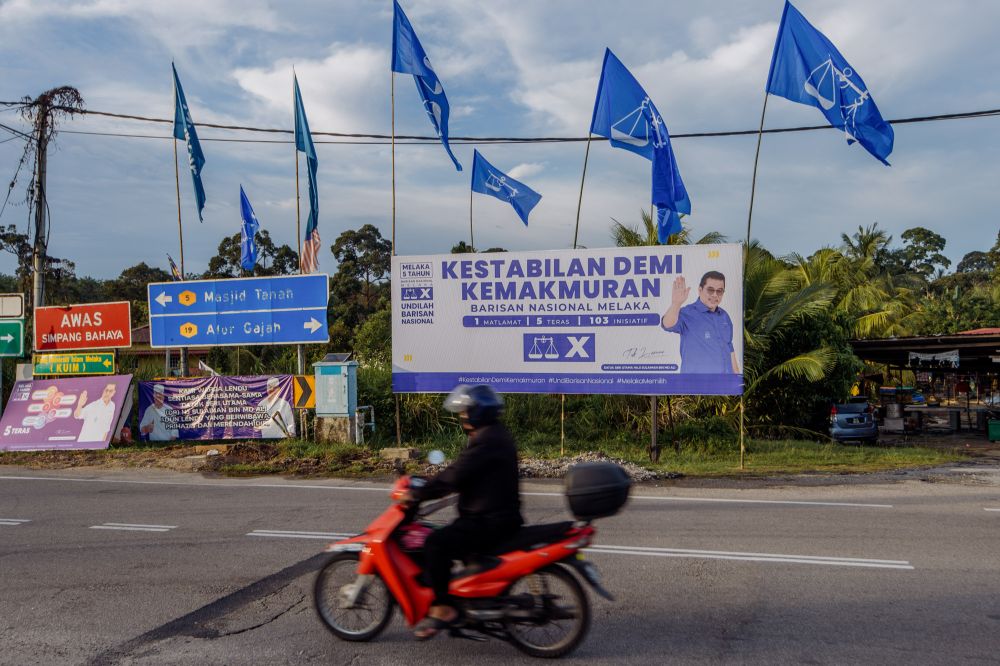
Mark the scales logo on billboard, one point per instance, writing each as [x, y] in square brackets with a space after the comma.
[418, 293]
[559, 347]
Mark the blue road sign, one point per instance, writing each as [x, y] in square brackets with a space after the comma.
[289, 309]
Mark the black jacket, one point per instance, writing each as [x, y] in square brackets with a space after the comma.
[485, 476]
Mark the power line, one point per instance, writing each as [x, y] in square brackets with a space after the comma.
[379, 139]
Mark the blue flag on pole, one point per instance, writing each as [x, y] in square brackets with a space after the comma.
[408, 57]
[309, 261]
[184, 129]
[487, 179]
[807, 68]
[625, 114]
[248, 233]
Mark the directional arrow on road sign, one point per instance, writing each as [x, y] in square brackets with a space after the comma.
[305, 392]
[11, 337]
[284, 309]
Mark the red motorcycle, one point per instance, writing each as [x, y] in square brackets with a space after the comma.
[525, 591]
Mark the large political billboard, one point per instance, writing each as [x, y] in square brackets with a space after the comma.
[659, 320]
[216, 408]
[69, 413]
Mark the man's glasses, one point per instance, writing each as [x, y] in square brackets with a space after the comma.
[714, 292]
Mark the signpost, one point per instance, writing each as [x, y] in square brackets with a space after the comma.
[98, 363]
[11, 330]
[289, 309]
[304, 392]
[87, 326]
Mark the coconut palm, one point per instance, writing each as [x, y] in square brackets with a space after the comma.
[646, 234]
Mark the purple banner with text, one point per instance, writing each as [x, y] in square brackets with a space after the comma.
[258, 407]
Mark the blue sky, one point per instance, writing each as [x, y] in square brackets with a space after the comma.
[509, 68]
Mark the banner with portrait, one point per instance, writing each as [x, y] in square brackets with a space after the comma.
[65, 413]
[206, 408]
[656, 320]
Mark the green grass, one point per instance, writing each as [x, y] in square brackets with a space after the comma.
[719, 458]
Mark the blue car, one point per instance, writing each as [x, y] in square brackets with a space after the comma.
[853, 420]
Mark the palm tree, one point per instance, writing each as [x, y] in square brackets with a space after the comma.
[646, 234]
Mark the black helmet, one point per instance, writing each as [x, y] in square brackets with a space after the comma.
[482, 404]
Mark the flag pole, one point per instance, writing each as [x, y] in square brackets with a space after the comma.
[753, 190]
[756, 159]
[300, 354]
[579, 201]
[472, 239]
[180, 234]
[392, 120]
[392, 103]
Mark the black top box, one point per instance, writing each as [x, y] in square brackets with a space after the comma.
[596, 490]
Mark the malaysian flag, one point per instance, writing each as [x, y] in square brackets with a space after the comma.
[309, 261]
[174, 271]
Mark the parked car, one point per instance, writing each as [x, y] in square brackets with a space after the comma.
[853, 420]
[992, 400]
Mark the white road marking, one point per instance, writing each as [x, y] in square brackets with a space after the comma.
[385, 489]
[827, 560]
[752, 557]
[133, 527]
[292, 534]
[991, 509]
[13, 522]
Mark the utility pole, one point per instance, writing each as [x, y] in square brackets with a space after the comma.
[43, 110]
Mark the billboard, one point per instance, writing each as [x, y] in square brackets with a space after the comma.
[216, 408]
[71, 413]
[658, 320]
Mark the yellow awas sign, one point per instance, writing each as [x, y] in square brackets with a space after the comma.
[305, 392]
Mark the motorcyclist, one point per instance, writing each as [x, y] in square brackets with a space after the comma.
[485, 476]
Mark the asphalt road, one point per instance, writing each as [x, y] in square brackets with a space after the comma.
[151, 567]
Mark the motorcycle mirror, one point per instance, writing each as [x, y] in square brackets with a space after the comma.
[435, 457]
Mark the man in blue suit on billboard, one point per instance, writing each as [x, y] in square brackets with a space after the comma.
[705, 328]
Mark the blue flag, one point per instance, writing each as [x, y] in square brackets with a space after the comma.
[248, 233]
[184, 129]
[807, 68]
[309, 261]
[408, 57]
[487, 179]
[625, 114]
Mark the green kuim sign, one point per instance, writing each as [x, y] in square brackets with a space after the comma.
[97, 363]
[11, 337]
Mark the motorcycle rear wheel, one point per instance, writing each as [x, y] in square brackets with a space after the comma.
[371, 613]
[562, 618]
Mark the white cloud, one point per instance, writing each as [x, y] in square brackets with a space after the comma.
[526, 170]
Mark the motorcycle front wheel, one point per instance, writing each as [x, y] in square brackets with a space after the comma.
[360, 619]
[552, 616]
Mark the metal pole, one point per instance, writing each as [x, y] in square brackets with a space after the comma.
[392, 107]
[756, 158]
[742, 446]
[472, 239]
[41, 243]
[579, 201]
[562, 425]
[180, 235]
[392, 104]
[654, 446]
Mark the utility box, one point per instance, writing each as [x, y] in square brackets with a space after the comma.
[994, 430]
[336, 399]
[336, 387]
